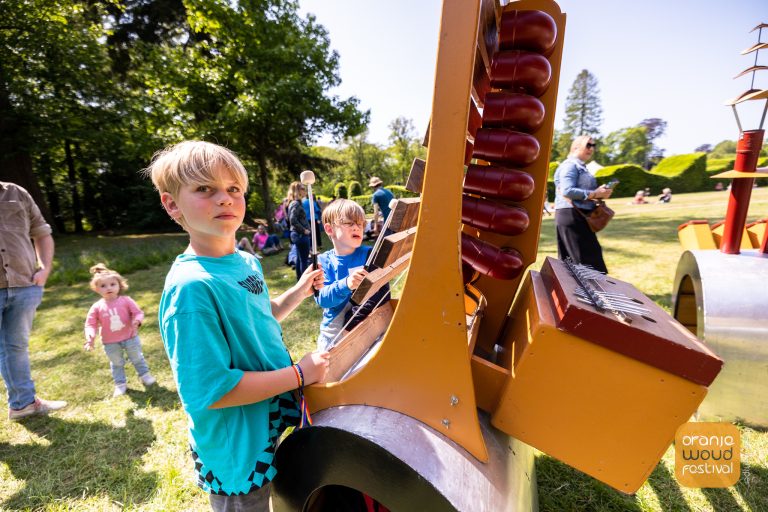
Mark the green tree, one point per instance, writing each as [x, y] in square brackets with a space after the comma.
[260, 77]
[404, 146]
[626, 146]
[654, 128]
[561, 146]
[583, 112]
[364, 159]
[723, 149]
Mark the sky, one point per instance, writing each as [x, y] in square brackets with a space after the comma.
[671, 59]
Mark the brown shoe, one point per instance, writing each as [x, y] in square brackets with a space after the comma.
[38, 407]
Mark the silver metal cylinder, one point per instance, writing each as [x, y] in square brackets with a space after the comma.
[400, 462]
[730, 296]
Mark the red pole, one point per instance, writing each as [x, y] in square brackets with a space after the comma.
[747, 153]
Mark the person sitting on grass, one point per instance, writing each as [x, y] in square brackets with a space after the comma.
[344, 266]
[666, 196]
[119, 318]
[639, 198]
[221, 329]
[266, 243]
[244, 245]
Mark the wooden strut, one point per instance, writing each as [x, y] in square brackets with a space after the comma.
[422, 367]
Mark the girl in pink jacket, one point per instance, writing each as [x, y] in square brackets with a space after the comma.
[119, 318]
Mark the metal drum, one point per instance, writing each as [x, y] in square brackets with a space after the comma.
[722, 298]
[401, 463]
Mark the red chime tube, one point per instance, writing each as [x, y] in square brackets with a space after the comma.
[515, 111]
[506, 146]
[475, 119]
[492, 216]
[521, 71]
[747, 153]
[498, 182]
[490, 260]
[534, 31]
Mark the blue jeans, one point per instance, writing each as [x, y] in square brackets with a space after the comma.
[272, 241]
[17, 310]
[132, 347]
[302, 243]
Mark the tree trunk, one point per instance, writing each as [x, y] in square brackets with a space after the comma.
[51, 193]
[15, 160]
[89, 201]
[77, 214]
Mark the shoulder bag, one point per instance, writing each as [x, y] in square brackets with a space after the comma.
[599, 217]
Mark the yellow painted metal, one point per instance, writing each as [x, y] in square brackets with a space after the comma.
[501, 293]
[599, 411]
[717, 235]
[696, 237]
[422, 368]
[756, 234]
[761, 172]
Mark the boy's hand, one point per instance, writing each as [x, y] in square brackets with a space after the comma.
[311, 280]
[355, 278]
[136, 324]
[314, 365]
[88, 345]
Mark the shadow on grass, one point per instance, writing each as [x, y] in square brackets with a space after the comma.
[562, 487]
[666, 487]
[80, 459]
[155, 396]
[753, 486]
[721, 500]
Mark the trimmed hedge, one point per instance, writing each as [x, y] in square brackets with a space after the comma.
[365, 201]
[340, 191]
[355, 188]
[686, 173]
[631, 179]
[681, 173]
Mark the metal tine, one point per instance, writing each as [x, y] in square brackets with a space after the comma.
[613, 303]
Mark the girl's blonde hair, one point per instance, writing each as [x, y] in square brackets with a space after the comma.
[294, 191]
[100, 271]
[343, 210]
[193, 162]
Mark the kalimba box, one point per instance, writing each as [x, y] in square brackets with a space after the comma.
[598, 391]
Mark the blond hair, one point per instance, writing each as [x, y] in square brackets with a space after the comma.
[193, 162]
[579, 142]
[294, 191]
[343, 210]
[100, 272]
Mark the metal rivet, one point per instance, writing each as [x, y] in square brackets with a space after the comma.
[446, 423]
[454, 400]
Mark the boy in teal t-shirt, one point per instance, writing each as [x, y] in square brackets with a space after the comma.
[221, 332]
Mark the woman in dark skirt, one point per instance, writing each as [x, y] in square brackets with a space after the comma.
[575, 187]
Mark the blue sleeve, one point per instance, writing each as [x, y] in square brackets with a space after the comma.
[568, 182]
[335, 291]
[200, 359]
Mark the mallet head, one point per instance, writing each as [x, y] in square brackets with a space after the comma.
[307, 178]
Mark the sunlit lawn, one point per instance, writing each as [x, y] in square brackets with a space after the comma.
[105, 453]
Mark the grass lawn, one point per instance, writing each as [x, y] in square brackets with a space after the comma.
[130, 453]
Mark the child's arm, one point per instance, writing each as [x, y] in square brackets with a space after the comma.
[91, 327]
[137, 315]
[310, 280]
[257, 386]
[340, 291]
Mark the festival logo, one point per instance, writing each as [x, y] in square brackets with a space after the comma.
[707, 455]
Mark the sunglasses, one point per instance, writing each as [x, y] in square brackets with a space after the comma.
[591, 145]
